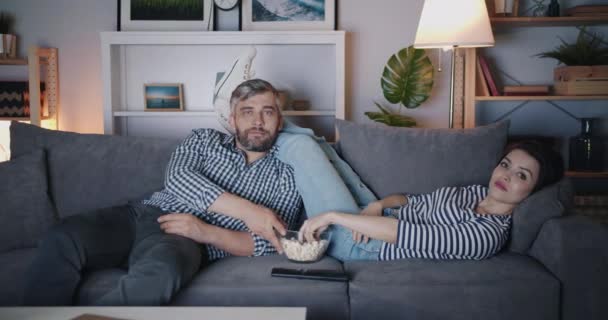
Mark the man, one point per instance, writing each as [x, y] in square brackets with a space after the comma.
[228, 194]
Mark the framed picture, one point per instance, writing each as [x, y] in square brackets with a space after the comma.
[163, 97]
[265, 15]
[165, 15]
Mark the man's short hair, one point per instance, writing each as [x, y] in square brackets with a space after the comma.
[252, 88]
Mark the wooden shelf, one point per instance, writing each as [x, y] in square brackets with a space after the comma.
[546, 21]
[20, 61]
[587, 174]
[520, 98]
[22, 118]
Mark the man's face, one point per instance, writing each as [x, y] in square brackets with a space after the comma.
[256, 122]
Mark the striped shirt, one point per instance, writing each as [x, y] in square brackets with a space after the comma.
[208, 163]
[444, 225]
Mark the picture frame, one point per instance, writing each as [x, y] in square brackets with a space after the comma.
[163, 97]
[165, 15]
[262, 15]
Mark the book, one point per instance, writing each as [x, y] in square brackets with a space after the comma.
[526, 88]
[531, 90]
[481, 86]
[485, 68]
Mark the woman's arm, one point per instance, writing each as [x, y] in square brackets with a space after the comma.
[382, 228]
[375, 208]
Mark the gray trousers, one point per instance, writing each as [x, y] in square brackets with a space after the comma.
[158, 264]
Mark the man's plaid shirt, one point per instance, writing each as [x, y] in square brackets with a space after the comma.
[208, 163]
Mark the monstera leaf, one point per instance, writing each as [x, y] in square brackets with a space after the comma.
[408, 77]
[390, 119]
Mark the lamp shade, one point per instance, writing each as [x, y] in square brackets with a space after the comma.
[454, 23]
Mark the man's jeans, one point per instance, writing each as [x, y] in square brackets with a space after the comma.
[129, 236]
[327, 183]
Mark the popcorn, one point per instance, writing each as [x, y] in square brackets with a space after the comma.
[304, 251]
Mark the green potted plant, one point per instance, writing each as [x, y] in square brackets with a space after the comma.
[407, 79]
[585, 61]
[8, 40]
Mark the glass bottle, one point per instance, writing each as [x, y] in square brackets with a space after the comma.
[553, 9]
[586, 152]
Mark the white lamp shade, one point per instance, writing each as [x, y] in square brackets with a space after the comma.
[454, 23]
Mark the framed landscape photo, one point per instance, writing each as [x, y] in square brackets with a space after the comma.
[165, 15]
[266, 15]
[163, 97]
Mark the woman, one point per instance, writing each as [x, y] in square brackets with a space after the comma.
[451, 223]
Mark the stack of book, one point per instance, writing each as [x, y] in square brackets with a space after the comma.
[536, 90]
[593, 206]
[588, 11]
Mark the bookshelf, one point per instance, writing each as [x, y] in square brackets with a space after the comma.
[37, 57]
[471, 95]
[310, 64]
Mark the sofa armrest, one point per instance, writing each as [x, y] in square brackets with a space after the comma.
[575, 250]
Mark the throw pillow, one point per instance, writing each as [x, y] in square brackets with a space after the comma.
[532, 213]
[413, 160]
[26, 211]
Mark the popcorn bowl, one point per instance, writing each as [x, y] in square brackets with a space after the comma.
[304, 251]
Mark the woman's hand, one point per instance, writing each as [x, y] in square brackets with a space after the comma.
[314, 226]
[373, 209]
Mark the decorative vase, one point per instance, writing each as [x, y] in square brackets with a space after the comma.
[8, 46]
[539, 9]
[553, 9]
[586, 151]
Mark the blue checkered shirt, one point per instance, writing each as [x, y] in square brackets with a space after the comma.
[208, 163]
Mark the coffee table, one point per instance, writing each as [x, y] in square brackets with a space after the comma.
[155, 313]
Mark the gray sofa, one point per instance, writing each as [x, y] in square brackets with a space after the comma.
[555, 266]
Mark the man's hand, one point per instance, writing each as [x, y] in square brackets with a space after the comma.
[263, 222]
[372, 209]
[185, 225]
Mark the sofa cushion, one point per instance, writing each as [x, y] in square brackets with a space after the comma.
[532, 213]
[26, 211]
[243, 281]
[413, 160]
[92, 171]
[507, 286]
[13, 266]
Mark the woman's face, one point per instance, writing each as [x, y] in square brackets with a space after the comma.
[514, 178]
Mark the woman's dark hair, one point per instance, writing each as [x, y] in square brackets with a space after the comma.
[551, 164]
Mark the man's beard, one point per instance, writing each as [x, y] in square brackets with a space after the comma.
[257, 144]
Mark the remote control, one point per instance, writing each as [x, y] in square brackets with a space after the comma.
[312, 274]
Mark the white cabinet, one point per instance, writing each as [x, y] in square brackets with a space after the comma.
[309, 65]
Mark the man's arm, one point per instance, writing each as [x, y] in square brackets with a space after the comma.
[238, 243]
[288, 205]
[186, 181]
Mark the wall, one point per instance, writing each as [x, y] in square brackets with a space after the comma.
[375, 33]
[376, 30]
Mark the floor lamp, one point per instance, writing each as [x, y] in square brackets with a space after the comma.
[450, 24]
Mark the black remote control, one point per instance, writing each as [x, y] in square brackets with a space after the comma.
[312, 274]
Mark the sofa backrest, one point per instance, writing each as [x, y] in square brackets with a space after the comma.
[92, 171]
[414, 160]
